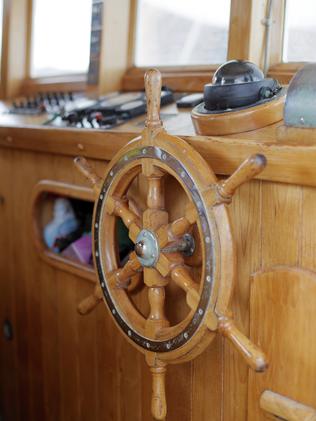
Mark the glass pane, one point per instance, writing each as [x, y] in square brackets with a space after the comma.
[300, 31]
[181, 32]
[1, 24]
[60, 37]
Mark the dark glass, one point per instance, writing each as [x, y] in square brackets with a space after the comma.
[237, 71]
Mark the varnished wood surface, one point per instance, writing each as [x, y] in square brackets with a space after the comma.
[290, 160]
[283, 302]
[239, 121]
[40, 214]
[280, 406]
[64, 366]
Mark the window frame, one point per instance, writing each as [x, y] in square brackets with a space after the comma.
[32, 85]
[278, 69]
[245, 41]
[193, 78]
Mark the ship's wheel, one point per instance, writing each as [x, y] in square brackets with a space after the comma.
[164, 248]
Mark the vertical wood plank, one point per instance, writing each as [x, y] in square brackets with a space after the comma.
[87, 356]
[281, 227]
[179, 392]
[281, 233]
[207, 383]
[8, 349]
[68, 347]
[283, 301]
[107, 378]
[50, 342]
[308, 238]
[246, 221]
[128, 370]
[28, 305]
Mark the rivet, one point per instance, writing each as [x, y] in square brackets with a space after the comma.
[185, 335]
[80, 146]
[144, 151]
[208, 278]
[113, 311]
[126, 158]
[147, 344]
[97, 254]
[101, 196]
[200, 312]
[207, 239]
[182, 174]
[129, 333]
[102, 284]
[111, 173]
[168, 346]
[96, 225]
[164, 156]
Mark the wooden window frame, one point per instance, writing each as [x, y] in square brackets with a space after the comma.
[246, 41]
[193, 78]
[283, 71]
[32, 85]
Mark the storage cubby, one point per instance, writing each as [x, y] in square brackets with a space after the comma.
[67, 253]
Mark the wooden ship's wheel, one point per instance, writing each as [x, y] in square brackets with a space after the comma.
[163, 248]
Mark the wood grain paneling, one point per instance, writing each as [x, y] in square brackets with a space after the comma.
[282, 308]
[62, 366]
[246, 215]
[281, 224]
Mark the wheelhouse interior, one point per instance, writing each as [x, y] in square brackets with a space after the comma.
[157, 210]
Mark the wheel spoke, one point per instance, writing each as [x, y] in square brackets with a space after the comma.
[84, 167]
[165, 264]
[181, 276]
[156, 296]
[120, 278]
[119, 207]
[179, 227]
[133, 207]
[91, 302]
[154, 216]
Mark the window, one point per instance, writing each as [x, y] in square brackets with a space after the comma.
[1, 24]
[300, 31]
[60, 37]
[181, 32]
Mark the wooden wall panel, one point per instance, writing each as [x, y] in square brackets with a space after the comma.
[207, 383]
[62, 366]
[308, 246]
[246, 218]
[50, 344]
[8, 363]
[282, 308]
[283, 235]
[69, 366]
[281, 224]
